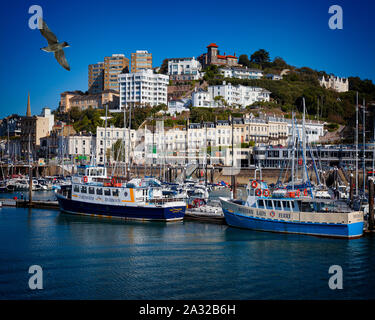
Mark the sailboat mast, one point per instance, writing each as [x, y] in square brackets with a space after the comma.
[293, 141]
[373, 149]
[304, 175]
[356, 146]
[124, 141]
[105, 137]
[130, 126]
[364, 148]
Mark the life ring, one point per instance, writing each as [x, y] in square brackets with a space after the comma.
[298, 193]
[258, 192]
[254, 184]
[272, 213]
[305, 193]
[113, 181]
[85, 179]
[266, 192]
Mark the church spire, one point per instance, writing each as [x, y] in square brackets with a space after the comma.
[28, 112]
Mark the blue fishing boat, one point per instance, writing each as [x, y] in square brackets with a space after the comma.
[302, 215]
[92, 193]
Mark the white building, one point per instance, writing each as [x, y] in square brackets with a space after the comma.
[229, 95]
[241, 73]
[46, 113]
[272, 76]
[314, 130]
[79, 145]
[202, 98]
[178, 106]
[239, 95]
[113, 134]
[335, 83]
[143, 88]
[184, 69]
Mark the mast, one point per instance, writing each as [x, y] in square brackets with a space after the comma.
[293, 142]
[373, 149]
[130, 125]
[304, 175]
[62, 149]
[105, 137]
[356, 146]
[205, 155]
[364, 148]
[124, 141]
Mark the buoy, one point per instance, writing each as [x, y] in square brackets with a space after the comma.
[305, 193]
[266, 192]
[254, 184]
[85, 179]
[258, 192]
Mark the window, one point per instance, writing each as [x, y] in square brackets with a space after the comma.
[76, 188]
[261, 203]
[83, 189]
[91, 190]
[107, 192]
[99, 191]
[115, 193]
[269, 204]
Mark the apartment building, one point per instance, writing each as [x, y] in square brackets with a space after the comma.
[81, 145]
[113, 66]
[229, 95]
[96, 78]
[241, 73]
[184, 69]
[83, 101]
[143, 88]
[114, 134]
[103, 75]
[141, 59]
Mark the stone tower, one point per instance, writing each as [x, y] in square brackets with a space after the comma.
[28, 112]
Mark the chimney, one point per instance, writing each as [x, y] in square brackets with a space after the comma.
[28, 112]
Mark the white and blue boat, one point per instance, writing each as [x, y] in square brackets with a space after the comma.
[92, 193]
[301, 215]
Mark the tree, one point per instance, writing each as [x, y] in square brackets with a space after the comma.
[279, 63]
[164, 67]
[260, 57]
[244, 60]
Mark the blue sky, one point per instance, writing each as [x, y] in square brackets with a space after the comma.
[295, 30]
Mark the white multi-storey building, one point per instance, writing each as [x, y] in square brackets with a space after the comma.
[239, 95]
[314, 130]
[241, 73]
[184, 69]
[229, 95]
[202, 98]
[178, 106]
[77, 145]
[143, 88]
[335, 83]
[113, 134]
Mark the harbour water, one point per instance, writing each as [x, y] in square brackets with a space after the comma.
[93, 258]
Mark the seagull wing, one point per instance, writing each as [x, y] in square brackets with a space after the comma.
[60, 57]
[47, 33]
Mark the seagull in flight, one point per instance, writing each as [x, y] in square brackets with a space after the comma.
[53, 44]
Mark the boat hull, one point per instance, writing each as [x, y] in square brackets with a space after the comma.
[336, 230]
[151, 213]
